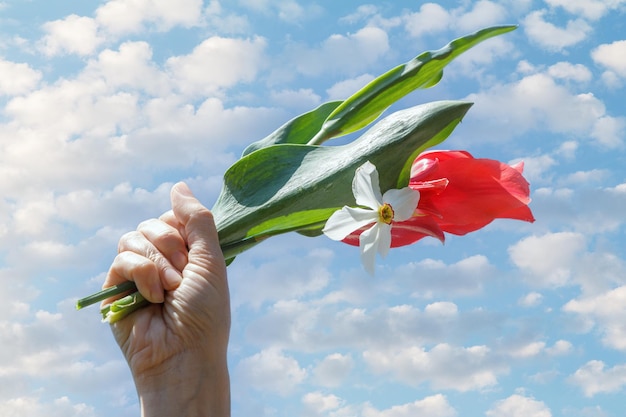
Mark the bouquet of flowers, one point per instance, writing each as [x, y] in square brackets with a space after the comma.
[381, 190]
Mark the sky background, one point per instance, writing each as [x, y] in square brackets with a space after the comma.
[105, 104]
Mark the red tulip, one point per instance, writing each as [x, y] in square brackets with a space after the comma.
[460, 194]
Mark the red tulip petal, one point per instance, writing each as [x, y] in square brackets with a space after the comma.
[479, 191]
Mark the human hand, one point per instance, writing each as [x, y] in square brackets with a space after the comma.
[176, 347]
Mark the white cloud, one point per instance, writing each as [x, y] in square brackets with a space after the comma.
[519, 406]
[594, 378]
[588, 210]
[344, 89]
[362, 12]
[130, 67]
[609, 131]
[121, 17]
[612, 56]
[527, 350]
[537, 102]
[287, 10]
[217, 63]
[318, 403]
[73, 35]
[281, 278]
[550, 36]
[433, 18]
[537, 168]
[585, 177]
[484, 13]
[589, 9]
[569, 71]
[560, 347]
[531, 299]
[17, 78]
[442, 367]
[430, 18]
[607, 310]
[333, 370]
[432, 406]
[317, 326]
[346, 54]
[548, 260]
[465, 277]
[271, 370]
[122, 206]
[224, 22]
[34, 407]
[303, 99]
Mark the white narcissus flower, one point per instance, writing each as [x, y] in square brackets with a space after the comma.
[378, 210]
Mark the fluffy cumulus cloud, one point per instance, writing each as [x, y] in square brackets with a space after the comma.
[344, 89]
[71, 35]
[519, 406]
[581, 208]
[611, 56]
[316, 326]
[465, 277]
[544, 100]
[588, 9]
[552, 37]
[217, 63]
[433, 18]
[128, 16]
[319, 404]
[271, 370]
[548, 259]
[280, 279]
[129, 67]
[333, 369]
[607, 310]
[35, 407]
[345, 54]
[290, 11]
[595, 378]
[433, 406]
[531, 299]
[443, 367]
[17, 78]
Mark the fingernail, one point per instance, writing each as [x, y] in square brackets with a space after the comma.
[156, 294]
[172, 278]
[179, 260]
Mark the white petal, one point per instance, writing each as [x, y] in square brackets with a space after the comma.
[365, 186]
[347, 220]
[403, 202]
[384, 239]
[368, 241]
[375, 239]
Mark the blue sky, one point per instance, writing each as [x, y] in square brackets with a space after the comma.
[104, 105]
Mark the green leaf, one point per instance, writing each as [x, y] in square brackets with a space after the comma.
[289, 187]
[298, 130]
[423, 71]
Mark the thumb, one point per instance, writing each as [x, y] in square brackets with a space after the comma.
[205, 253]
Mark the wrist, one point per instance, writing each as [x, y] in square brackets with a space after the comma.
[186, 385]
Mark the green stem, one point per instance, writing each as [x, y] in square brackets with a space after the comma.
[106, 293]
[121, 308]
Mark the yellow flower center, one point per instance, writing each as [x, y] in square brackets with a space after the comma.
[385, 213]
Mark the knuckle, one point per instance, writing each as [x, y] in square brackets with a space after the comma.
[125, 242]
[146, 224]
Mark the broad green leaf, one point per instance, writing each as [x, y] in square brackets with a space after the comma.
[423, 71]
[288, 187]
[298, 130]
